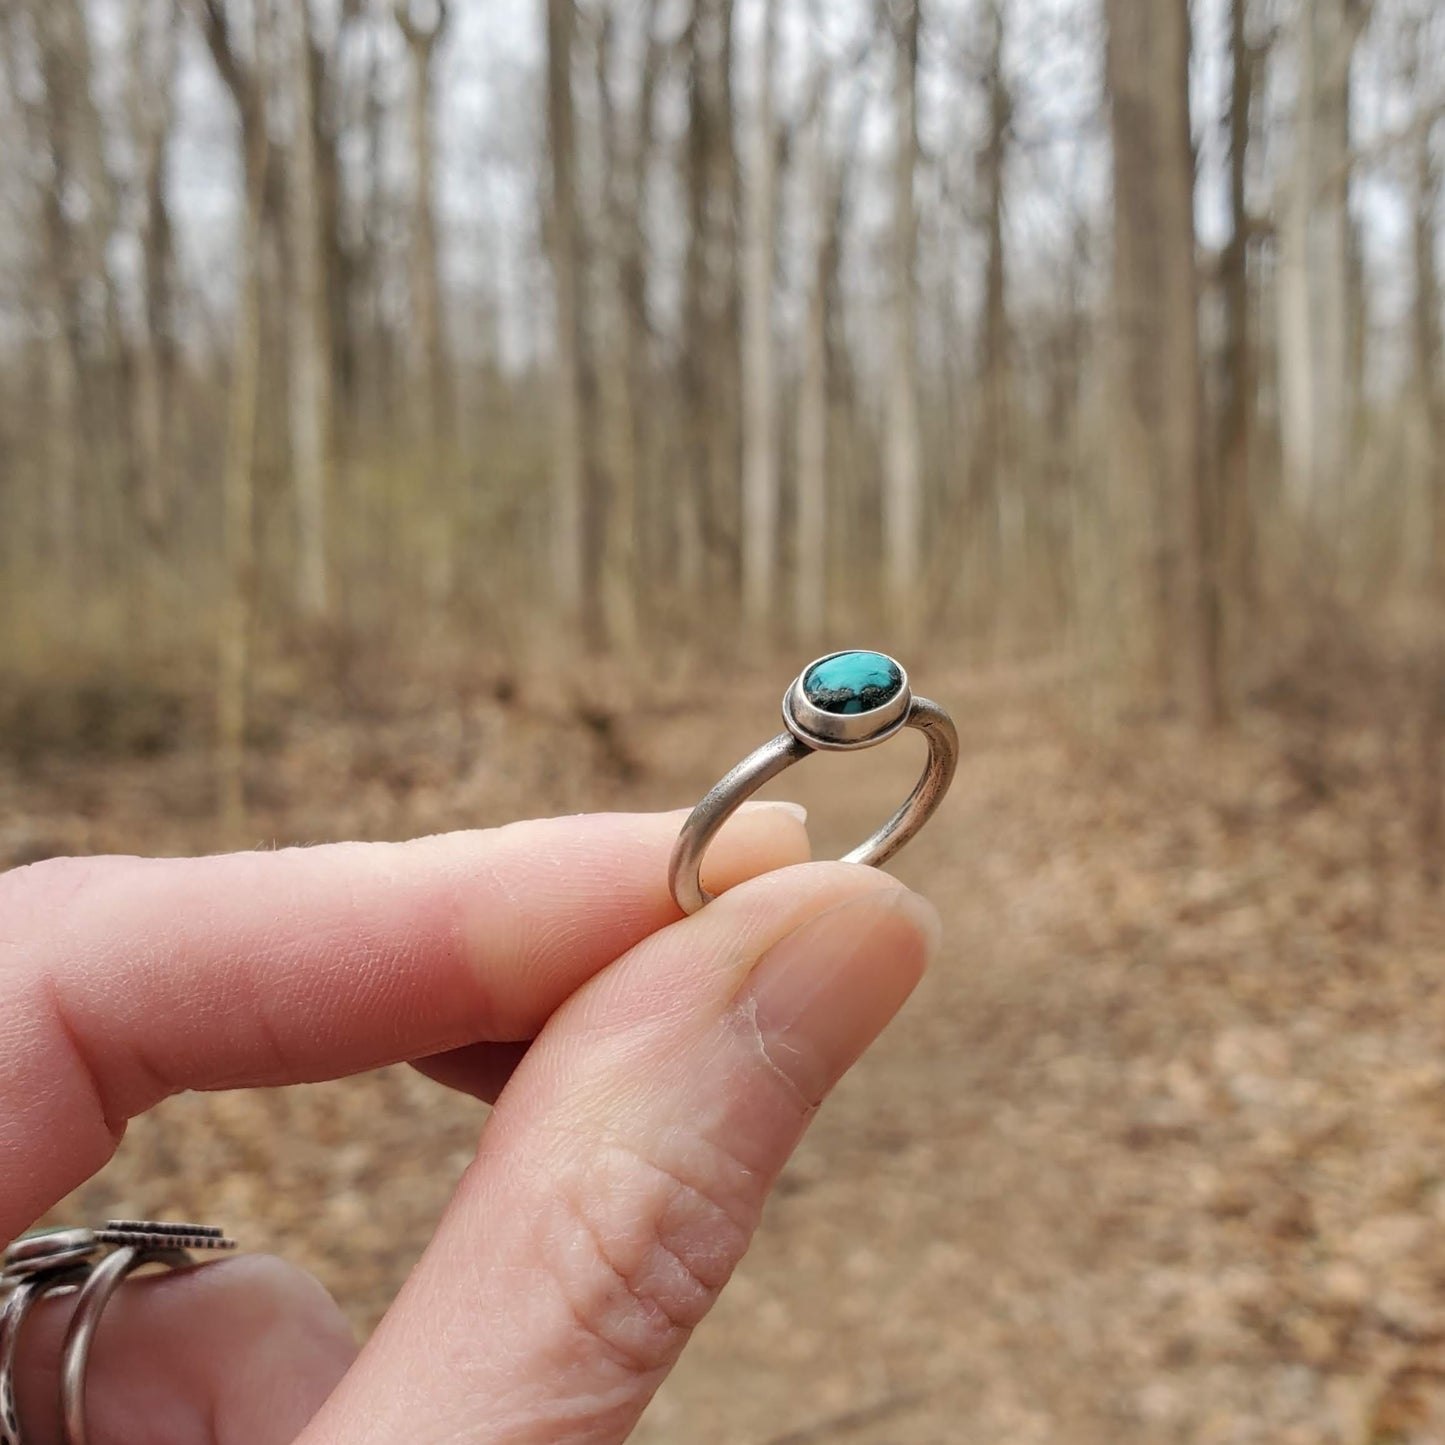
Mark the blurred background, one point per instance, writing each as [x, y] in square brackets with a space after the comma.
[420, 415]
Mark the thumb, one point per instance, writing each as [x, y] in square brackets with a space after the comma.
[626, 1165]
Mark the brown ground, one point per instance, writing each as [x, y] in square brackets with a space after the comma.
[1157, 1154]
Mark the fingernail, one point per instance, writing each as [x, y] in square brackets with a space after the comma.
[794, 810]
[821, 995]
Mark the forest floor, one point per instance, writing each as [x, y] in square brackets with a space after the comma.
[1157, 1152]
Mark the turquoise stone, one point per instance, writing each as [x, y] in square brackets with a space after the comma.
[852, 682]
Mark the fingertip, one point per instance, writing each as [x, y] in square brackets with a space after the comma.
[794, 810]
[821, 995]
[699, 962]
[788, 895]
[759, 838]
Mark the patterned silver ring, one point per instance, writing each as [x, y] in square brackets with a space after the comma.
[839, 703]
[94, 1262]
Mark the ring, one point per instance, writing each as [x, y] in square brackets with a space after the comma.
[843, 701]
[94, 1262]
[21, 1299]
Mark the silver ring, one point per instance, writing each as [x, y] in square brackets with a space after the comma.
[93, 1261]
[105, 1278]
[18, 1304]
[841, 702]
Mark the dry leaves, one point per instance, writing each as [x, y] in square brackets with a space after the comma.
[1159, 1152]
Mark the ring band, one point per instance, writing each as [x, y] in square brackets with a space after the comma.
[841, 702]
[105, 1278]
[18, 1304]
[66, 1260]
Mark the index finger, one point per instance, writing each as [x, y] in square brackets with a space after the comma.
[124, 980]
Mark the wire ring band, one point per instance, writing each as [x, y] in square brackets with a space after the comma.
[812, 729]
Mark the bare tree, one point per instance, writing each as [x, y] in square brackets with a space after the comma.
[423, 32]
[710, 364]
[152, 33]
[422, 28]
[86, 357]
[820, 186]
[310, 334]
[760, 451]
[1159, 430]
[341, 259]
[62, 33]
[1315, 256]
[1237, 421]
[576, 487]
[241, 74]
[1429, 386]
[1429, 379]
[902, 467]
[994, 477]
[371, 322]
[56, 318]
[626, 140]
[238, 489]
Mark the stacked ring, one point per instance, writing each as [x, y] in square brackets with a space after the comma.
[92, 1262]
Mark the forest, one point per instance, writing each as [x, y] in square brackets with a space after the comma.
[1103, 328]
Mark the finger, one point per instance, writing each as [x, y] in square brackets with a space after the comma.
[124, 980]
[624, 1169]
[239, 1353]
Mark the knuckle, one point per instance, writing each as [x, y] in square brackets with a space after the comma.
[640, 1249]
[43, 906]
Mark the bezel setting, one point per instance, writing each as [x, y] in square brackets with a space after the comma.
[839, 732]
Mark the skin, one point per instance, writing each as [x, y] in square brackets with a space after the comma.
[651, 1075]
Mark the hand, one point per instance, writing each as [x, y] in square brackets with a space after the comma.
[672, 1067]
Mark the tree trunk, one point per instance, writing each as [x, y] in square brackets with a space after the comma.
[1159, 431]
[339, 260]
[1429, 384]
[759, 372]
[86, 355]
[430, 364]
[1236, 503]
[996, 483]
[152, 36]
[238, 507]
[63, 33]
[820, 191]
[310, 339]
[625, 142]
[1430, 828]
[574, 533]
[902, 469]
[376, 379]
[56, 382]
[430, 409]
[710, 362]
[1314, 262]
[641, 512]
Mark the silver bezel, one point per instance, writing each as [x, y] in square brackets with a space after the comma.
[838, 732]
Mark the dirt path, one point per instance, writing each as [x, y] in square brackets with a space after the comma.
[1155, 1154]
